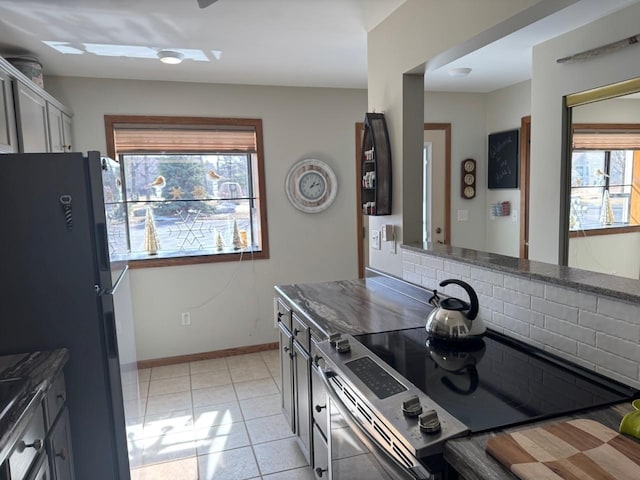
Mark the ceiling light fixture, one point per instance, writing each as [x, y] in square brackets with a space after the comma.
[459, 72]
[170, 57]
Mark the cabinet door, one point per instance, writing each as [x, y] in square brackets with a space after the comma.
[56, 135]
[320, 454]
[67, 134]
[302, 383]
[31, 115]
[8, 135]
[59, 449]
[286, 372]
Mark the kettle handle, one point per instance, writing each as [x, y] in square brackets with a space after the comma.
[473, 298]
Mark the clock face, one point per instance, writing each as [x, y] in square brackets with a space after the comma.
[311, 185]
[469, 192]
[468, 179]
[469, 166]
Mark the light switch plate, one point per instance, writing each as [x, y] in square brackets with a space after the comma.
[463, 215]
[375, 239]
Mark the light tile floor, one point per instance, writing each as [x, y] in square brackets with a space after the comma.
[214, 419]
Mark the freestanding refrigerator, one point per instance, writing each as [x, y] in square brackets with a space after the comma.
[56, 291]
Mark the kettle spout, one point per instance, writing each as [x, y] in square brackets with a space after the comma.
[435, 299]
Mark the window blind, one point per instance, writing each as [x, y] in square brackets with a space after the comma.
[606, 140]
[185, 139]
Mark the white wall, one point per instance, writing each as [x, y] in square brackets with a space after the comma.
[617, 254]
[466, 113]
[505, 109]
[402, 44]
[231, 303]
[551, 82]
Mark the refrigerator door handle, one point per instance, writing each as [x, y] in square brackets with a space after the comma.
[110, 334]
[103, 246]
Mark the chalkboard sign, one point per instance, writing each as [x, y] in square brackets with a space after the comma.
[503, 159]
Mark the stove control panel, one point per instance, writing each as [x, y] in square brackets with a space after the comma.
[411, 406]
[429, 422]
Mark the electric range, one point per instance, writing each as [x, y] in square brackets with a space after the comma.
[409, 394]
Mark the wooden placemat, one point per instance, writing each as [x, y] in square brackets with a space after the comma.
[575, 450]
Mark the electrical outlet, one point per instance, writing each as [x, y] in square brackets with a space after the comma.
[185, 319]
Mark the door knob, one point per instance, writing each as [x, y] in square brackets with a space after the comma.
[438, 230]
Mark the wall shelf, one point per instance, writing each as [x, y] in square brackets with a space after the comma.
[376, 166]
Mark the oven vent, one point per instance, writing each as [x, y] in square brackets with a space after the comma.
[349, 396]
[401, 454]
[365, 414]
[382, 433]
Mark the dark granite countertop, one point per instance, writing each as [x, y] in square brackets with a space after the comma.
[468, 456]
[622, 288]
[376, 303]
[38, 369]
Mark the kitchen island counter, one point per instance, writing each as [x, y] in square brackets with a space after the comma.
[468, 457]
[38, 369]
[377, 303]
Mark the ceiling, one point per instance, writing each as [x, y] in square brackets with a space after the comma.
[264, 42]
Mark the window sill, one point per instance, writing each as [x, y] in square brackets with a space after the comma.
[613, 230]
[196, 259]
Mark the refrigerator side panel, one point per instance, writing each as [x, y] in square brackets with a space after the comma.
[48, 292]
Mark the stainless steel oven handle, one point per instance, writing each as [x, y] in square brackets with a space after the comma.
[399, 471]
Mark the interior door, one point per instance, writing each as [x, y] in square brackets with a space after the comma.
[435, 188]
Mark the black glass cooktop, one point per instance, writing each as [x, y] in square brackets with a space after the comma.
[495, 381]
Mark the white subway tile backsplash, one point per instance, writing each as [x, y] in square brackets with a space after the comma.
[512, 324]
[571, 330]
[608, 360]
[484, 275]
[570, 297]
[611, 326]
[599, 333]
[432, 262]
[554, 340]
[457, 268]
[512, 297]
[554, 309]
[523, 285]
[524, 314]
[618, 309]
[623, 348]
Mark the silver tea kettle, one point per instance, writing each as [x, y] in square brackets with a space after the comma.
[454, 319]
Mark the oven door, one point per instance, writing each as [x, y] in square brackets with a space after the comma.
[354, 452]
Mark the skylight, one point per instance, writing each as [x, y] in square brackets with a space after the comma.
[129, 51]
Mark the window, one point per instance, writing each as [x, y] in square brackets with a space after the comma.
[191, 189]
[604, 184]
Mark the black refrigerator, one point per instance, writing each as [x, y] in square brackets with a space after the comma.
[56, 291]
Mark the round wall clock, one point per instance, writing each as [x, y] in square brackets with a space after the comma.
[311, 185]
[468, 176]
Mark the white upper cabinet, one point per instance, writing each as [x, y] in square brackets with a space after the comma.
[31, 117]
[8, 135]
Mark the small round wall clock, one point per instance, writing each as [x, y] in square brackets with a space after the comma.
[311, 185]
[468, 173]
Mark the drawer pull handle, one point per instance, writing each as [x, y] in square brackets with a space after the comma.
[296, 332]
[319, 408]
[286, 349]
[320, 471]
[62, 454]
[37, 444]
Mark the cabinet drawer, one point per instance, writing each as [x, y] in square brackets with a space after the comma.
[28, 447]
[54, 401]
[283, 313]
[300, 331]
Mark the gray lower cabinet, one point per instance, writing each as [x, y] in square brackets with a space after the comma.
[295, 364]
[43, 451]
[320, 454]
[8, 134]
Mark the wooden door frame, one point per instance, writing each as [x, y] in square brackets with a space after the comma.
[446, 127]
[525, 170]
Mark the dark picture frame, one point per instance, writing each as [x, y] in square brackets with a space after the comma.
[503, 159]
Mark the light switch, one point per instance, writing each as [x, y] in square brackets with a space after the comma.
[463, 215]
[375, 239]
